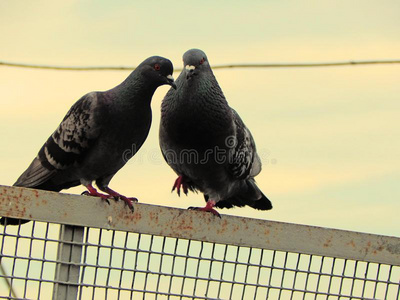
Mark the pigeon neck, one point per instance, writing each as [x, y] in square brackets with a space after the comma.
[135, 86]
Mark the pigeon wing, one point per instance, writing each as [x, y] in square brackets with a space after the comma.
[68, 144]
[244, 160]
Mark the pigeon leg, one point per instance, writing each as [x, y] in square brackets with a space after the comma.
[180, 182]
[209, 208]
[128, 200]
[93, 192]
[177, 185]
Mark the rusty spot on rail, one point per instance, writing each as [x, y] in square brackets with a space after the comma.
[223, 227]
[351, 243]
[185, 224]
[328, 243]
[153, 217]
[132, 217]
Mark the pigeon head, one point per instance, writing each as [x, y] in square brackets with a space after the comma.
[195, 62]
[158, 70]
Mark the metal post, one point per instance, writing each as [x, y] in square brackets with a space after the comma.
[68, 253]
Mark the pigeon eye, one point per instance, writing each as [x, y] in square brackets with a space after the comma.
[157, 67]
[202, 61]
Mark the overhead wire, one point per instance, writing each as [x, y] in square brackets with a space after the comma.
[221, 66]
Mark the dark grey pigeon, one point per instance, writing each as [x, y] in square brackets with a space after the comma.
[206, 142]
[99, 134]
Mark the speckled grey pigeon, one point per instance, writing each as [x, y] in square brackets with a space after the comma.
[205, 141]
[99, 134]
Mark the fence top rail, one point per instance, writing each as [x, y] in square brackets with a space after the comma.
[186, 224]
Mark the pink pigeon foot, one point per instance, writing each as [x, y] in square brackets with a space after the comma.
[209, 208]
[110, 194]
[180, 182]
[128, 200]
[93, 192]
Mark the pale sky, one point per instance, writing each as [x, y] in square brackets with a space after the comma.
[328, 137]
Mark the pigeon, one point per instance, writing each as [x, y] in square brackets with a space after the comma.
[206, 142]
[98, 135]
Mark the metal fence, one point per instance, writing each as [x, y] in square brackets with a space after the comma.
[79, 247]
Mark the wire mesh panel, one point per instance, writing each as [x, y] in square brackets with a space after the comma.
[147, 255]
[123, 265]
[28, 260]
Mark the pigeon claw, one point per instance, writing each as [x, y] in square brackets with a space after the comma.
[117, 196]
[180, 183]
[94, 193]
[207, 209]
[185, 188]
[129, 201]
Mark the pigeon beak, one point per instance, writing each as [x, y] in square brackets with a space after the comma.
[189, 71]
[171, 81]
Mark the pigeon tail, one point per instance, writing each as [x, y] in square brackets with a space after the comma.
[53, 187]
[262, 204]
[250, 195]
